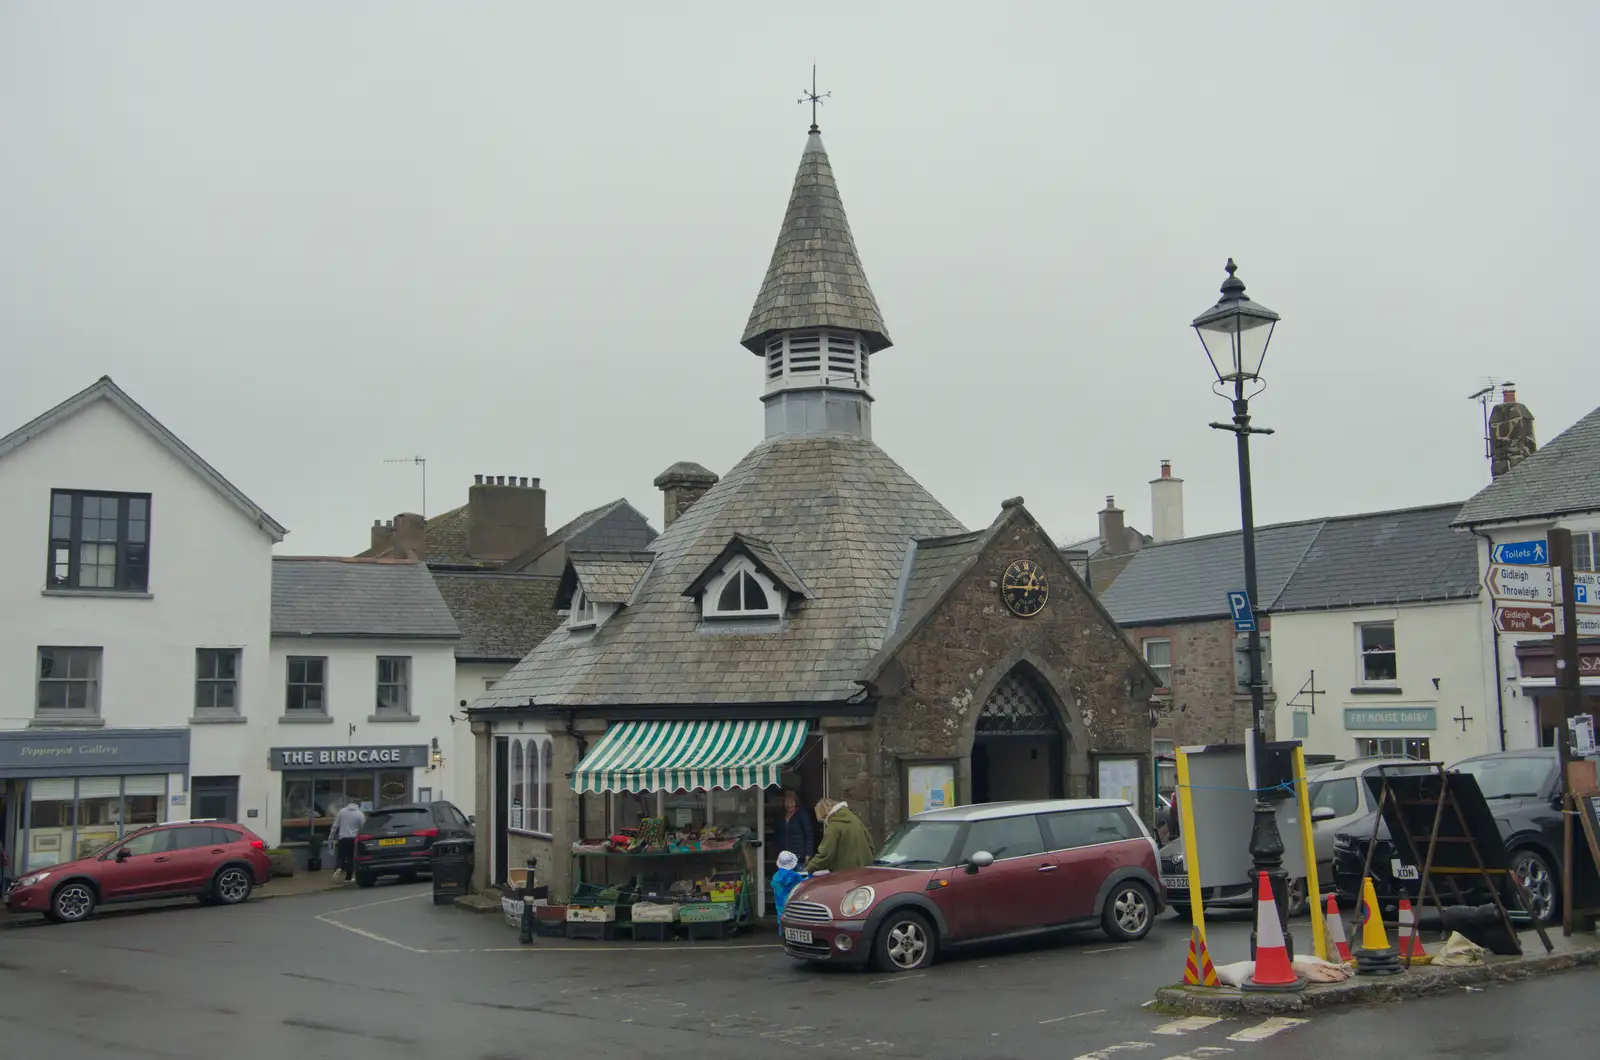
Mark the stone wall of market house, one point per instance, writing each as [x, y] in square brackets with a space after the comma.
[941, 675]
[1204, 703]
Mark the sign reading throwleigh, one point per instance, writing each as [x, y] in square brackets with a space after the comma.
[1533, 585]
[399, 757]
[1423, 718]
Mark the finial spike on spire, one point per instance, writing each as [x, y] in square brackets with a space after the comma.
[812, 98]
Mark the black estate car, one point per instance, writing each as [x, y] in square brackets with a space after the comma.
[398, 840]
[1523, 792]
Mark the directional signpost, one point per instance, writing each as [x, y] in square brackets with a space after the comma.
[1522, 585]
[1534, 585]
[1522, 553]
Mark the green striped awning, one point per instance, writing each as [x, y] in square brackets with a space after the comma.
[689, 755]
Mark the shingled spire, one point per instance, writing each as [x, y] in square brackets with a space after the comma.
[815, 279]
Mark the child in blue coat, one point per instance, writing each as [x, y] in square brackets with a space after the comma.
[786, 879]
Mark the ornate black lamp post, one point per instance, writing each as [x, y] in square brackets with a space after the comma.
[1235, 333]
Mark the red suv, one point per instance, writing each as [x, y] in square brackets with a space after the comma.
[973, 873]
[217, 862]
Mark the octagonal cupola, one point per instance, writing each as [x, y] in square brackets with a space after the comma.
[815, 323]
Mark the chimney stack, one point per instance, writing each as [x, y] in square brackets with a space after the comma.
[1166, 505]
[505, 516]
[407, 531]
[1511, 438]
[382, 535]
[681, 485]
[1112, 532]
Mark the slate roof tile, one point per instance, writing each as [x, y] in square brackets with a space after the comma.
[1384, 558]
[331, 596]
[502, 616]
[1559, 479]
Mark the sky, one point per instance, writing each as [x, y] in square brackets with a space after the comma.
[524, 238]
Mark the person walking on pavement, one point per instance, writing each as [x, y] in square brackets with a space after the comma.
[346, 827]
[845, 843]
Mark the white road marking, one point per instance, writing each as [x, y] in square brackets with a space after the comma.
[897, 978]
[1109, 949]
[1075, 1015]
[1265, 1029]
[1200, 1052]
[1102, 1054]
[1187, 1024]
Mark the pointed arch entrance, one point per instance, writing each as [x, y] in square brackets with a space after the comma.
[1018, 748]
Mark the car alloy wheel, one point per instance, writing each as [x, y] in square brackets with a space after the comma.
[1127, 912]
[1534, 875]
[905, 944]
[233, 886]
[74, 902]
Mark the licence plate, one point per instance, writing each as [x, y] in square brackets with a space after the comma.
[1175, 883]
[796, 935]
[1403, 872]
[392, 842]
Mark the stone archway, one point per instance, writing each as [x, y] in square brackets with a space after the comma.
[1018, 746]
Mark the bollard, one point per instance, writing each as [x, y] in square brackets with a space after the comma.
[525, 933]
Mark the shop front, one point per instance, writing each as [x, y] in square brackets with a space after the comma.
[1536, 665]
[317, 782]
[65, 794]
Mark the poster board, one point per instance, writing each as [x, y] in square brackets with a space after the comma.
[1118, 778]
[929, 786]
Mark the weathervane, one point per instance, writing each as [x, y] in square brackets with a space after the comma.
[812, 98]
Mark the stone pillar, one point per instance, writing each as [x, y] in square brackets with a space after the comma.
[485, 814]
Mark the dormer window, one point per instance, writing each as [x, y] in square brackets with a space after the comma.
[742, 591]
[583, 613]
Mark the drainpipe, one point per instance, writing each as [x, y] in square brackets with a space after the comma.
[583, 750]
[1499, 679]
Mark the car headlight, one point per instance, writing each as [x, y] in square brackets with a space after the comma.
[29, 881]
[856, 902]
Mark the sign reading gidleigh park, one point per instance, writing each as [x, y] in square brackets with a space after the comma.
[401, 757]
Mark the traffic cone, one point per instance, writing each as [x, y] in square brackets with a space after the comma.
[1374, 956]
[1337, 942]
[1407, 936]
[1198, 969]
[1273, 970]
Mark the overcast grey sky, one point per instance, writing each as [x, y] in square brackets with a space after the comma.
[523, 238]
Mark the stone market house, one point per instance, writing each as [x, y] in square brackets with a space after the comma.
[816, 611]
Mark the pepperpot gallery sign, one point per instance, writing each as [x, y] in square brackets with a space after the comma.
[393, 757]
[98, 752]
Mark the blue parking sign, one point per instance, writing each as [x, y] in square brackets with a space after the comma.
[1244, 617]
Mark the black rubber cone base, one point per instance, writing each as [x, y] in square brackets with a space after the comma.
[1295, 987]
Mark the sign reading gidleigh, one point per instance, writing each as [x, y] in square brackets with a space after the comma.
[1390, 718]
[103, 752]
[401, 757]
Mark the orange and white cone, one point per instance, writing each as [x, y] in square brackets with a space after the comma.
[1407, 936]
[1273, 970]
[1337, 942]
[1198, 969]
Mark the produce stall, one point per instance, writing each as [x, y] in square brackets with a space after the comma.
[688, 881]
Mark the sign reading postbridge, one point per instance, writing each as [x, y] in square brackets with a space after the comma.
[396, 757]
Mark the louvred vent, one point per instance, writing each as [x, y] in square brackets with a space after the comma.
[839, 358]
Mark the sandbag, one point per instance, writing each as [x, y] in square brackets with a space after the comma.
[1459, 951]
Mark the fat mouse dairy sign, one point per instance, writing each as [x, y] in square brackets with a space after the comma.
[402, 757]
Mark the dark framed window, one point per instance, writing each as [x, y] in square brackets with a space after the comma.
[99, 541]
[394, 684]
[69, 682]
[308, 685]
[216, 680]
[1392, 746]
[1378, 659]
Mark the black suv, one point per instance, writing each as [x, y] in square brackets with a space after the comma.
[398, 840]
[1523, 791]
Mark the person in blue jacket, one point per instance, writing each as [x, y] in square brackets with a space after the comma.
[786, 879]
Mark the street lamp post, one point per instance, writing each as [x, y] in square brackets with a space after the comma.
[1235, 333]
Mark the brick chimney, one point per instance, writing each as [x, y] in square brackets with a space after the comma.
[505, 516]
[1113, 533]
[1166, 505]
[681, 485]
[408, 530]
[382, 535]
[1510, 433]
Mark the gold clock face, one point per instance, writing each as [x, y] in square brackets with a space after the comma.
[1024, 588]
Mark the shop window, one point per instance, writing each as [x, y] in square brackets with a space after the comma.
[394, 684]
[532, 785]
[308, 685]
[1158, 653]
[99, 542]
[686, 809]
[547, 803]
[312, 800]
[71, 818]
[1585, 549]
[1392, 747]
[216, 685]
[69, 683]
[517, 789]
[1378, 662]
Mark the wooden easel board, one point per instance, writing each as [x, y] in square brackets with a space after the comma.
[1417, 796]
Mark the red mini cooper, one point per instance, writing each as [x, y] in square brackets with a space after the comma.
[974, 873]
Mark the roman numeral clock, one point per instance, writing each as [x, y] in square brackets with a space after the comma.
[1024, 588]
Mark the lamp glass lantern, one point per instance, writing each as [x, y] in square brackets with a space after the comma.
[1235, 332]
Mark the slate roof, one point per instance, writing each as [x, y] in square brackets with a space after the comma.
[838, 509]
[444, 542]
[616, 526]
[501, 616]
[1561, 478]
[340, 597]
[815, 278]
[103, 389]
[607, 577]
[1190, 579]
[1384, 558]
[933, 561]
[766, 558]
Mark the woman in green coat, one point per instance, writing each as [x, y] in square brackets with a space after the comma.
[845, 843]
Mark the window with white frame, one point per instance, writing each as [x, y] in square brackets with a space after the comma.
[1392, 747]
[394, 684]
[216, 681]
[530, 790]
[1158, 653]
[1377, 662]
[69, 683]
[582, 614]
[741, 591]
[1585, 549]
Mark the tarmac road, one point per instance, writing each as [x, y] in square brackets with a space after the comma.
[384, 973]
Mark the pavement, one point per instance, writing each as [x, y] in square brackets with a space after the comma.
[386, 973]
